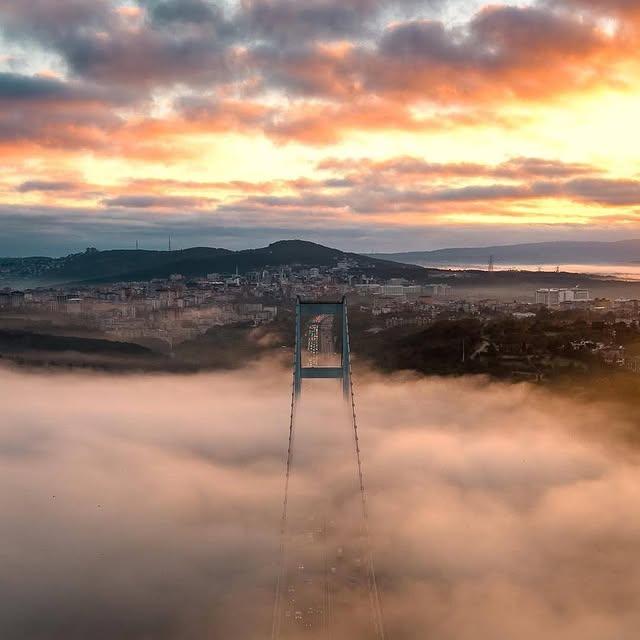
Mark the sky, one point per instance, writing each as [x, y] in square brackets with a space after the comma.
[124, 516]
[369, 125]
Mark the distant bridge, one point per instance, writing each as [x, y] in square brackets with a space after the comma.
[307, 583]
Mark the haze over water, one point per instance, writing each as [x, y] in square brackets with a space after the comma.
[618, 271]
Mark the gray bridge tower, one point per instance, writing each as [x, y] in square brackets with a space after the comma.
[337, 311]
[322, 351]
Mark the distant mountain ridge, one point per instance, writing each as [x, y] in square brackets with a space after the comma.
[561, 252]
[121, 265]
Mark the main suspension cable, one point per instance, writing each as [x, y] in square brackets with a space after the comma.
[374, 593]
[277, 605]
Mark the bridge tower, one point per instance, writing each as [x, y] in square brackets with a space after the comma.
[322, 351]
[337, 312]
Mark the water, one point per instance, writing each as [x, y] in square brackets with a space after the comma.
[618, 271]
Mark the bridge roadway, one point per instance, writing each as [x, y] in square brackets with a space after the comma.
[326, 586]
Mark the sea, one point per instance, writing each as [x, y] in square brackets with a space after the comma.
[628, 272]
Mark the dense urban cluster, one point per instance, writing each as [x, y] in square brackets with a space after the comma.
[180, 308]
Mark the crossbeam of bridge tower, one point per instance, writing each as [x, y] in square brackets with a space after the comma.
[318, 353]
[337, 310]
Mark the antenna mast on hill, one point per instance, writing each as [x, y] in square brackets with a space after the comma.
[169, 243]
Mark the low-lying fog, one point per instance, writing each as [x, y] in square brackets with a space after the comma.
[147, 507]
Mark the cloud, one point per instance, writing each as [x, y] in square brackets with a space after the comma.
[288, 22]
[152, 201]
[99, 44]
[605, 191]
[125, 516]
[503, 53]
[57, 114]
[42, 19]
[542, 167]
[325, 48]
[506, 53]
[336, 68]
[183, 11]
[144, 82]
[45, 185]
[294, 21]
[380, 193]
[365, 197]
[25, 89]
[413, 168]
[14, 86]
[621, 8]
[60, 230]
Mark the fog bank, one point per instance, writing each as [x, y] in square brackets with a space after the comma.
[138, 507]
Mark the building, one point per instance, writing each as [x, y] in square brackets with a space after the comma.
[557, 297]
[548, 297]
[437, 290]
[368, 289]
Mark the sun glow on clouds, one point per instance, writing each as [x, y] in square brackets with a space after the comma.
[262, 92]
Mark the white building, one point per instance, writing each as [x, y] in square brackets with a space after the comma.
[437, 290]
[401, 290]
[556, 297]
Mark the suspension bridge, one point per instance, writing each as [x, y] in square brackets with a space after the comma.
[320, 568]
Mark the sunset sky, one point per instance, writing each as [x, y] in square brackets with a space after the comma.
[361, 124]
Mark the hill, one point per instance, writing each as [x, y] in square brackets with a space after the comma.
[95, 266]
[620, 252]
